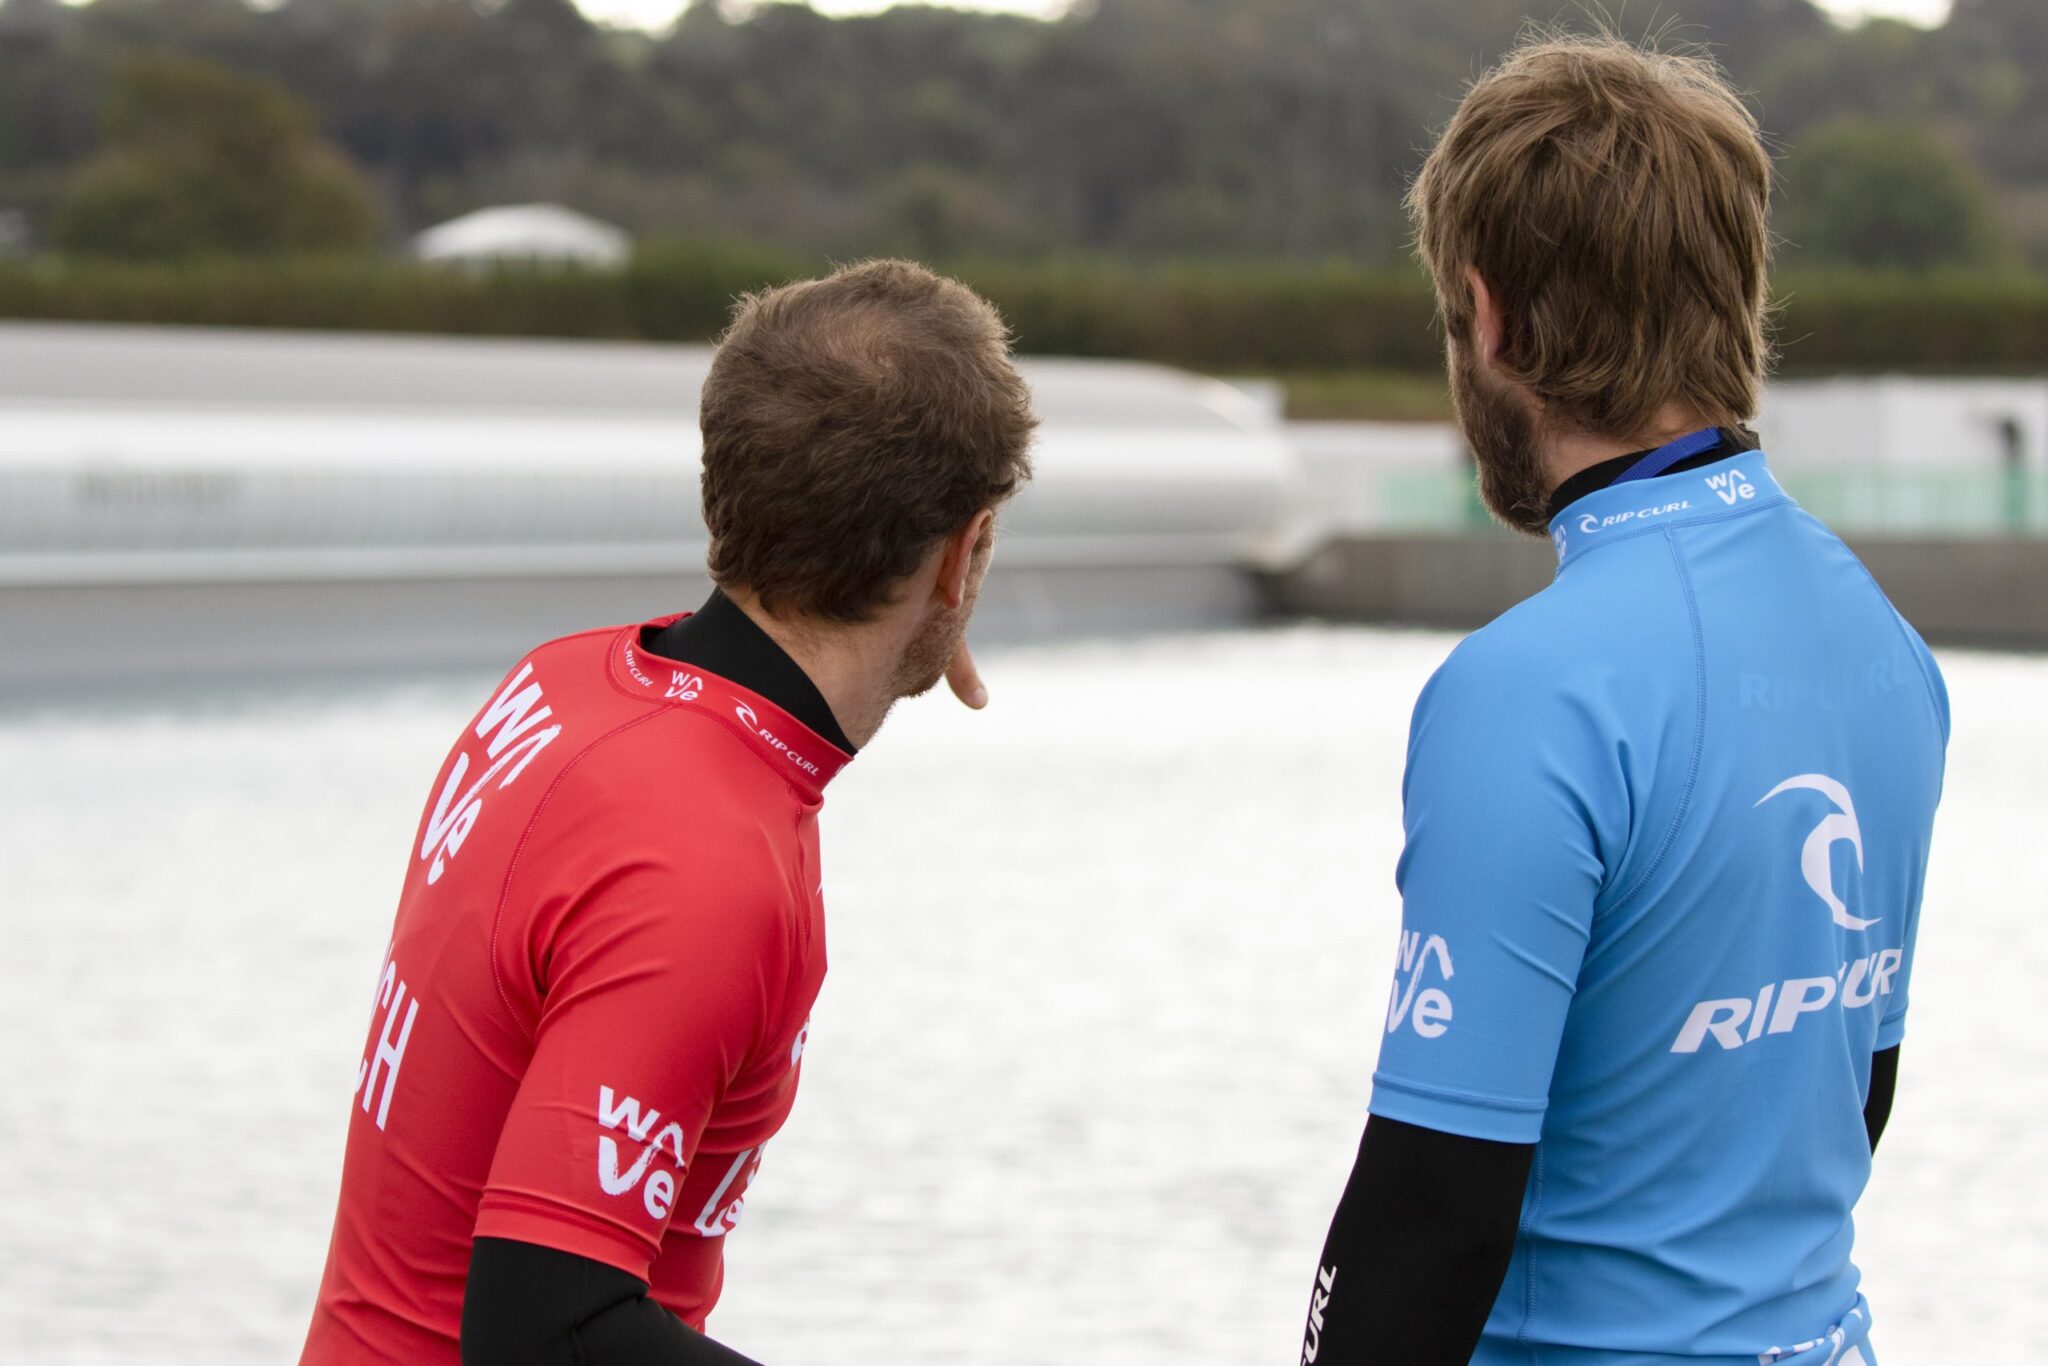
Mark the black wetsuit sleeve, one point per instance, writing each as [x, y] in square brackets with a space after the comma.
[1884, 1084]
[1417, 1250]
[528, 1305]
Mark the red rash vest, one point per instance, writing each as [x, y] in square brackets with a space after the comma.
[593, 1009]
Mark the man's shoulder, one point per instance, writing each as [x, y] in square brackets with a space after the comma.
[1567, 673]
[1580, 627]
[667, 805]
[680, 770]
[628, 762]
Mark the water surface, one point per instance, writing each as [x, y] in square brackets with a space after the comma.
[1084, 1083]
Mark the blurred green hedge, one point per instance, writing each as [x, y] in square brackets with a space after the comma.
[1219, 316]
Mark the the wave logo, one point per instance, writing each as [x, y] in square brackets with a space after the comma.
[747, 717]
[511, 743]
[1815, 858]
[1426, 1010]
[623, 1113]
[1731, 487]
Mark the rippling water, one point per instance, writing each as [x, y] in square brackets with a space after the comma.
[1085, 1080]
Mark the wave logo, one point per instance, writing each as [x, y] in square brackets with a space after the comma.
[511, 743]
[1815, 857]
[1426, 1010]
[616, 1113]
[1731, 487]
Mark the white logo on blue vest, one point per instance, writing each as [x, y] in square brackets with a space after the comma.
[1814, 859]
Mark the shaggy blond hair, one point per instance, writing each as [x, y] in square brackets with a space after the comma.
[1615, 202]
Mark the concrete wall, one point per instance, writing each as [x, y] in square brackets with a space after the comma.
[209, 500]
[64, 639]
[1987, 592]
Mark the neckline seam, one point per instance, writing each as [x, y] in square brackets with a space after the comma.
[1637, 457]
[1778, 499]
[628, 638]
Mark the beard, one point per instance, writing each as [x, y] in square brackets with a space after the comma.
[1498, 426]
[925, 659]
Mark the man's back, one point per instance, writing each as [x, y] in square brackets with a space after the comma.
[1705, 762]
[592, 1011]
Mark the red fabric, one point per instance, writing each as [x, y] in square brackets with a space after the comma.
[591, 1014]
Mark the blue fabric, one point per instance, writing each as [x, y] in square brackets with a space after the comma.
[1667, 827]
[1670, 453]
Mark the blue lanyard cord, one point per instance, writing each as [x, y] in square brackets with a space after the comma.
[1669, 454]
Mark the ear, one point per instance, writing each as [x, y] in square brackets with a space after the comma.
[1489, 325]
[956, 559]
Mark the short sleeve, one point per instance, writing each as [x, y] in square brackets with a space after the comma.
[1891, 1030]
[661, 975]
[1498, 881]
[1891, 1027]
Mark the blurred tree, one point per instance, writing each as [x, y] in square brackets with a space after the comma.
[1996, 57]
[1142, 127]
[1874, 193]
[1881, 69]
[46, 103]
[936, 213]
[198, 160]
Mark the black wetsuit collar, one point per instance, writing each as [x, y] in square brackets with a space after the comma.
[1734, 441]
[721, 639]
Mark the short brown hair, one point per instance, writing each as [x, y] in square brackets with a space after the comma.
[1615, 201]
[850, 423]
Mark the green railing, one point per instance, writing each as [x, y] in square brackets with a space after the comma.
[1868, 502]
[1926, 502]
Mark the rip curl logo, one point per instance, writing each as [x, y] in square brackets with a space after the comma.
[616, 1113]
[1855, 986]
[1426, 1010]
[1591, 523]
[1778, 1007]
[1816, 861]
[633, 668]
[1319, 1302]
[775, 742]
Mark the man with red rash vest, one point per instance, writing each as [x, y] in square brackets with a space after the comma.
[592, 1013]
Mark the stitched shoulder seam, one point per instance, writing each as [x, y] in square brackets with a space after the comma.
[519, 849]
[1699, 732]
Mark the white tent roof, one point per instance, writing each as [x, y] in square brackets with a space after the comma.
[525, 232]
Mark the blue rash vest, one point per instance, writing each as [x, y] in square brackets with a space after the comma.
[1667, 828]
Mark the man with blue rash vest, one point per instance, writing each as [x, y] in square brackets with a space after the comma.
[1667, 821]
